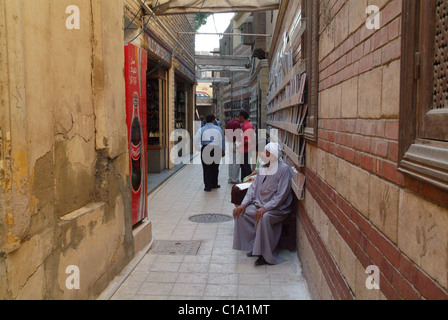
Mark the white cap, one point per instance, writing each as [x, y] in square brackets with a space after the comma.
[274, 149]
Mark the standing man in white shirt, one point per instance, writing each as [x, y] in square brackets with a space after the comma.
[210, 140]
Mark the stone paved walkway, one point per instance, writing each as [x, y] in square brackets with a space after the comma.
[217, 272]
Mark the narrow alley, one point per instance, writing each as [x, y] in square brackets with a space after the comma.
[102, 102]
[214, 271]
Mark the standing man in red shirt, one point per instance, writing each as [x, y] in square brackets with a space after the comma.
[247, 145]
[234, 168]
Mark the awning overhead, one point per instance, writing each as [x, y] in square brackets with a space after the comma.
[167, 7]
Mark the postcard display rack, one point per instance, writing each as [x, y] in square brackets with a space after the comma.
[287, 112]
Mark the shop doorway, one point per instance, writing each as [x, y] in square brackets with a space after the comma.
[157, 119]
[181, 99]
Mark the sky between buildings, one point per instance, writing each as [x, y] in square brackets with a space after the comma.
[209, 43]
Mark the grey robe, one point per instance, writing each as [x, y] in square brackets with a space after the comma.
[273, 192]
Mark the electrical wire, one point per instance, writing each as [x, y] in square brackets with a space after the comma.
[135, 16]
[146, 25]
[214, 22]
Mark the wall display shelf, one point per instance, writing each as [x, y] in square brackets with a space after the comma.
[291, 120]
[290, 127]
[286, 107]
[274, 90]
[299, 189]
[297, 159]
[298, 33]
[290, 102]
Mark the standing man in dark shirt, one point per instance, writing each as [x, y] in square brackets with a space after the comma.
[234, 126]
[210, 140]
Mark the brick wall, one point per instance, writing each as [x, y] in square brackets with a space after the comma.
[184, 43]
[359, 209]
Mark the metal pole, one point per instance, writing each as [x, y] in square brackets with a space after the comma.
[226, 34]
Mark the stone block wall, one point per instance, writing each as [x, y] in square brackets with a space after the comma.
[359, 209]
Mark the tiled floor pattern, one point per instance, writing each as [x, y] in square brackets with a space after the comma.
[217, 272]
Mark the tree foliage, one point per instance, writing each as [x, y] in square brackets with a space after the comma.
[201, 19]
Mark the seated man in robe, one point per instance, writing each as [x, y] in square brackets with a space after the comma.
[258, 220]
[237, 195]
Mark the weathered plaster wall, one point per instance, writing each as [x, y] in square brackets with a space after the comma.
[64, 162]
[3, 239]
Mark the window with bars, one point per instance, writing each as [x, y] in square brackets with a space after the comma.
[424, 91]
[440, 99]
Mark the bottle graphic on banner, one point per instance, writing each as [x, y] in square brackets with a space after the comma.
[135, 75]
[136, 145]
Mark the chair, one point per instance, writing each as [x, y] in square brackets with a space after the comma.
[288, 238]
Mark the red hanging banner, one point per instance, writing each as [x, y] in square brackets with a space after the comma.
[136, 64]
